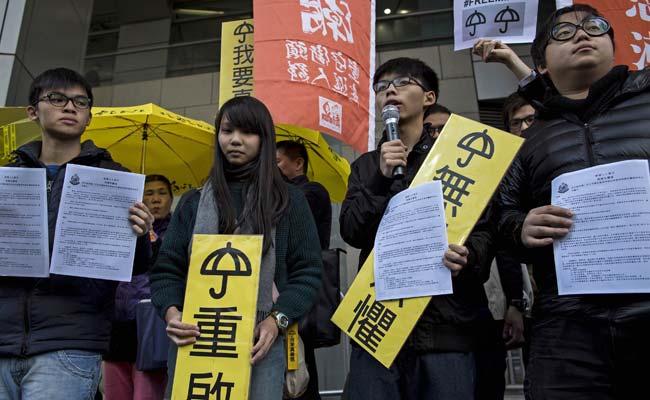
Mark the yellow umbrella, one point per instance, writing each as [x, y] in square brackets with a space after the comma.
[151, 140]
[325, 166]
[12, 114]
[9, 138]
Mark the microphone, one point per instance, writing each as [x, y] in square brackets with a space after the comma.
[390, 115]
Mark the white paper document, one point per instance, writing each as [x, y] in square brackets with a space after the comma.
[410, 243]
[93, 237]
[607, 249]
[511, 21]
[24, 247]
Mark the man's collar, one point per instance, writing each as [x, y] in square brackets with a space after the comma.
[300, 179]
[424, 143]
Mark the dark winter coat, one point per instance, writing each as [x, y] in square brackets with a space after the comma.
[39, 315]
[320, 206]
[611, 125]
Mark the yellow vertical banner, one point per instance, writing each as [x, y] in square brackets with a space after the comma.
[469, 159]
[221, 299]
[236, 69]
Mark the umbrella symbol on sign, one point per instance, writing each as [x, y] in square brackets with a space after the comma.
[506, 15]
[476, 143]
[241, 266]
[476, 18]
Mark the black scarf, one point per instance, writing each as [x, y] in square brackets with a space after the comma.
[242, 173]
[600, 93]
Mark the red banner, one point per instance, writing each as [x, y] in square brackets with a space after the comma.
[313, 63]
[631, 22]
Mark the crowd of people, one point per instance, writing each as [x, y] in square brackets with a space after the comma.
[576, 109]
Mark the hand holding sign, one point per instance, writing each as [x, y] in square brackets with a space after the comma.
[180, 333]
[496, 51]
[265, 333]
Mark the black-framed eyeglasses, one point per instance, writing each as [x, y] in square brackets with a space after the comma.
[593, 26]
[433, 130]
[400, 81]
[60, 100]
[516, 123]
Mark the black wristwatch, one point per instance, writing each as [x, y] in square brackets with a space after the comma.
[520, 304]
[281, 320]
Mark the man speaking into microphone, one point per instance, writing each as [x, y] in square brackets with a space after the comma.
[436, 362]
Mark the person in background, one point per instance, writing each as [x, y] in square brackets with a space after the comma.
[122, 380]
[517, 114]
[435, 118]
[246, 194]
[293, 162]
[158, 196]
[508, 291]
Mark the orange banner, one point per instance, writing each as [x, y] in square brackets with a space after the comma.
[631, 22]
[313, 63]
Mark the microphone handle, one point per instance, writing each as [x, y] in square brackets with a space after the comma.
[398, 172]
[391, 130]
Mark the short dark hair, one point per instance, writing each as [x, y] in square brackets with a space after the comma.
[436, 109]
[538, 49]
[160, 178]
[409, 67]
[510, 106]
[293, 150]
[57, 78]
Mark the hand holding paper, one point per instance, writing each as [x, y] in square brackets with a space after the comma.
[543, 224]
[455, 258]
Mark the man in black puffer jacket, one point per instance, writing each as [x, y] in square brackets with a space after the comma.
[53, 330]
[589, 113]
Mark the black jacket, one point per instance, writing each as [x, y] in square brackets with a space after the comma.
[39, 315]
[320, 206]
[612, 124]
[448, 323]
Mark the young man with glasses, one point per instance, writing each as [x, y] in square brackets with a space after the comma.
[53, 330]
[518, 114]
[436, 362]
[590, 113]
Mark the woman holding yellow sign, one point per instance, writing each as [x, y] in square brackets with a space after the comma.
[245, 194]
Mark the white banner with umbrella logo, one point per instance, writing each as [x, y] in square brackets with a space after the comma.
[511, 21]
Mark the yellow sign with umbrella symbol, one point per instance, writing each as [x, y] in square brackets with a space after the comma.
[325, 166]
[146, 139]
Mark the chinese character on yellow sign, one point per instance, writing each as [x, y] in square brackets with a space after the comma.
[469, 159]
[221, 299]
[236, 71]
